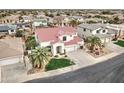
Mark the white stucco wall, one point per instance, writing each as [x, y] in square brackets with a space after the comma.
[40, 23]
[68, 37]
[10, 32]
[100, 31]
[54, 48]
[45, 44]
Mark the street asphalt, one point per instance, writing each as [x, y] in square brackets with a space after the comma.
[110, 71]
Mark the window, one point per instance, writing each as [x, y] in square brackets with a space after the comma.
[103, 31]
[12, 30]
[97, 31]
[84, 29]
[64, 38]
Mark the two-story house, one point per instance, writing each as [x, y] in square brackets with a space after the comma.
[59, 39]
[105, 32]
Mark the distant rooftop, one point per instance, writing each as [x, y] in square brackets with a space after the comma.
[5, 27]
[92, 26]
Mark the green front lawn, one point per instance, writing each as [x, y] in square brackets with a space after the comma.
[58, 63]
[120, 43]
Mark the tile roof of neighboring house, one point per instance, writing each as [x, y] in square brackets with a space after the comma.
[51, 34]
[6, 27]
[92, 26]
[10, 47]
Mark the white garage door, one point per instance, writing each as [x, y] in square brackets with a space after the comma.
[71, 48]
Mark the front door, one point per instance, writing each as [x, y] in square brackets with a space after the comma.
[58, 49]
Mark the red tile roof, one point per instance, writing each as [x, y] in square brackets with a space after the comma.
[48, 34]
[52, 34]
[73, 41]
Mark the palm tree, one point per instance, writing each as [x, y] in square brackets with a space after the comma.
[30, 43]
[39, 57]
[93, 42]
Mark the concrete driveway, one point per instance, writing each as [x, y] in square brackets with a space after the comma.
[81, 58]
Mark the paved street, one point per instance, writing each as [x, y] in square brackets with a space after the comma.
[111, 70]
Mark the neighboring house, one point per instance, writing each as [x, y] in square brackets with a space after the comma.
[60, 39]
[26, 18]
[11, 51]
[105, 32]
[77, 18]
[118, 29]
[94, 20]
[40, 22]
[7, 29]
[24, 26]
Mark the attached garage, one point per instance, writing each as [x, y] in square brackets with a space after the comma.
[71, 48]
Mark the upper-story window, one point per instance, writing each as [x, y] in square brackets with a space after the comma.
[64, 38]
[12, 30]
[84, 29]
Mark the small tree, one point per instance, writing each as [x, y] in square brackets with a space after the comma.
[20, 33]
[30, 43]
[73, 23]
[20, 18]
